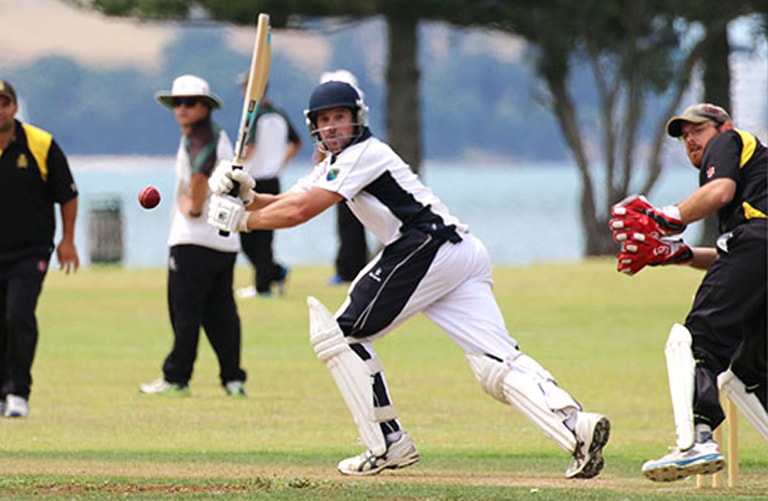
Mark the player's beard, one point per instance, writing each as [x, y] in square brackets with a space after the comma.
[6, 125]
[695, 155]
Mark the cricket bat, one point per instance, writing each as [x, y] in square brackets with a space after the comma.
[258, 75]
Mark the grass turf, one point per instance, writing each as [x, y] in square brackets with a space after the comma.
[90, 433]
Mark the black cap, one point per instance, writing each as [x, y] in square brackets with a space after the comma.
[6, 89]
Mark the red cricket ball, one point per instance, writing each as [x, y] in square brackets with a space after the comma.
[149, 197]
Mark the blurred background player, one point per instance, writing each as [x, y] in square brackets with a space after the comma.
[273, 144]
[34, 176]
[726, 326]
[430, 264]
[201, 262]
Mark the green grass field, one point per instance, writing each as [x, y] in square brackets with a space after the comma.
[91, 435]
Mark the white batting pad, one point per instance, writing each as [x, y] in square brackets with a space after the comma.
[522, 387]
[681, 373]
[747, 403]
[352, 375]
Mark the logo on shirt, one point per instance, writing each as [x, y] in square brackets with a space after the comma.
[710, 172]
[22, 162]
[376, 274]
[333, 173]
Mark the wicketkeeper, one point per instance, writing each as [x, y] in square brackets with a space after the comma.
[430, 264]
[722, 344]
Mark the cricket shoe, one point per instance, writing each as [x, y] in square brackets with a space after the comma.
[701, 459]
[235, 389]
[246, 292]
[399, 454]
[592, 433]
[15, 407]
[282, 279]
[336, 280]
[163, 387]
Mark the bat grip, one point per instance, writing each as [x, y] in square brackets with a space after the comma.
[234, 192]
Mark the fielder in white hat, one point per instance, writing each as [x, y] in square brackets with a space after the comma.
[188, 86]
[201, 262]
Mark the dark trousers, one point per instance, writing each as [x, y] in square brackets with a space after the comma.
[200, 295]
[257, 245]
[728, 321]
[379, 296]
[21, 282]
[353, 248]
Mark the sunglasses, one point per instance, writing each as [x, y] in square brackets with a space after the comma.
[189, 102]
[696, 131]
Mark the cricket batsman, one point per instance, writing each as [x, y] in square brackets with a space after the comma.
[430, 263]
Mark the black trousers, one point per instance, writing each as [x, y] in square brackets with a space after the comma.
[257, 245]
[352, 255]
[728, 321]
[21, 282]
[380, 295]
[200, 295]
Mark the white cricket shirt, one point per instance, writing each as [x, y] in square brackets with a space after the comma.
[380, 189]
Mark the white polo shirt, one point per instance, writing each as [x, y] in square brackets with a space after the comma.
[196, 231]
[271, 144]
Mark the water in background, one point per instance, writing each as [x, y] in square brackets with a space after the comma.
[523, 214]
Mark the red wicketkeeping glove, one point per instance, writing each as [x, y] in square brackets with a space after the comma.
[638, 250]
[636, 214]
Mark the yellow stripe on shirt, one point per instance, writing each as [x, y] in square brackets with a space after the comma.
[750, 143]
[39, 143]
[752, 213]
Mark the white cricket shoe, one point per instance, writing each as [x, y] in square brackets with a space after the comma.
[701, 459]
[246, 292]
[235, 389]
[592, 433]
[163, 387]
[399, 454]
[15, 406]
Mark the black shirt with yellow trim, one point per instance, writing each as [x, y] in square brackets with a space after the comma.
[738, 155]
[34, 176]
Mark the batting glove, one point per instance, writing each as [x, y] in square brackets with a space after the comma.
[639, 250]
[636, 214]
[224, 179]
[227, 214]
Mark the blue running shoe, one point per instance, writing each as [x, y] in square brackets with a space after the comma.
[701, 459]
[336, 280]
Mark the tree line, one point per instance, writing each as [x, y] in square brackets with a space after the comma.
[636, 52]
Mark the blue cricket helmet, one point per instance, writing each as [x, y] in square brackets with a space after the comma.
[336, 94]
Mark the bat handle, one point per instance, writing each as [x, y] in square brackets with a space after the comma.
[234, 192]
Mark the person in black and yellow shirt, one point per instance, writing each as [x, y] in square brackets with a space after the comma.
[723, 341]
[34, 176]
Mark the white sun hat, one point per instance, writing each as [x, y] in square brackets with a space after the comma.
[189, 86]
